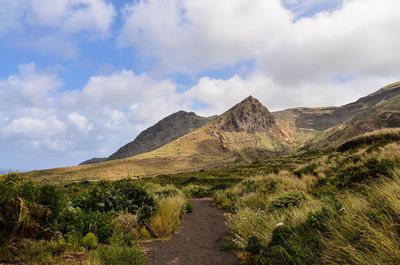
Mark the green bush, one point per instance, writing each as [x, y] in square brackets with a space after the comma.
[287, 199]
[197, 191]
[123, 195]
[306, 170]
[116, 255]
[188, 207]
[355, 174]
[83, 222]
[375, 139]
[27, 209]
[52, 197]
[299, 244]
[90, 241]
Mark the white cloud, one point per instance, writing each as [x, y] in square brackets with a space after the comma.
[28, 88]
[80, 122]
[141, 97]
[217, 95]
[67, 16]
[31, 128]
[191, 35]
[357, 39]
[55, 27]
[360, 39]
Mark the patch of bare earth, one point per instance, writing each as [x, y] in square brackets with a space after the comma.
[198, 241]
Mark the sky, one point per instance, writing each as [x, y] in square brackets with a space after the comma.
[81, 78]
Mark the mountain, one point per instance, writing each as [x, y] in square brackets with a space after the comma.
[245, 133]
[384, 114]
[94, 160]
[334, 116]
[250, 131]
[163, 132]
[305, 125]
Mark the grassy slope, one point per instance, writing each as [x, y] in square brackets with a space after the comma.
[206, 147]
[209, 146]
[326, 208]
[190, 152]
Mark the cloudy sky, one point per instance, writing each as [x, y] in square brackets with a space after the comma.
[80, 78]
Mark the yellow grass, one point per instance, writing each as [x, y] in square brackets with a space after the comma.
[167, 217]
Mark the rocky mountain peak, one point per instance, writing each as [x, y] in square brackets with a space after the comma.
[250, 115]
[163, 132]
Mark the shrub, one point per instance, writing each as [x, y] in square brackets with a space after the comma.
[35, 252]
[126, 222]
[122, 195]
[376, 138]
[306, 170]
[368, 170]
[167, 217]
[279, 236]
[90, 241]
[188, 207]
[197, 191]
[287, 199]
[76, 220]
[52, 198]
[225, 199]
[120, 238]
[116, 255]
[26, 208]
[144, 233]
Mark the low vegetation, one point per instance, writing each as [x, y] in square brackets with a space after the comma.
[85, 223]
[338, 208]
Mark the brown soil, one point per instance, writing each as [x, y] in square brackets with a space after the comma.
[198, 241]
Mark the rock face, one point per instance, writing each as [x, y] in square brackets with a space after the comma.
[248, 116]
[327, 119]
[162, 133]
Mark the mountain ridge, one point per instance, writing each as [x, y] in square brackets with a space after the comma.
[245, 133]
[157, 135]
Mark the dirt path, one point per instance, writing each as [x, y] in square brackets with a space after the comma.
[197, 242]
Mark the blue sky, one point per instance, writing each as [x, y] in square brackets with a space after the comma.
[80, 78]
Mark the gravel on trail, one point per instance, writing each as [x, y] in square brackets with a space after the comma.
[198, 241]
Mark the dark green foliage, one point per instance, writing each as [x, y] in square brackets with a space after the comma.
[121, 238]
[319, 219]
[287, 199]
[52, 197]
[254, 245]
[122, 195]
[113, 255]
[83, 222]
[372, 140]
[199, 192]
[371, 169]
[188, 207]
[307, 169]
[292, 245]
[27, 209]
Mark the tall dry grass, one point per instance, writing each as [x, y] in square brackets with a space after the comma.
[368, 232]
[167, 217]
